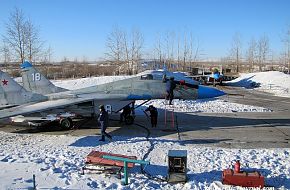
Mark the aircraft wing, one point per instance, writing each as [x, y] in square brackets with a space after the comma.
[7, 106]
[54, 104]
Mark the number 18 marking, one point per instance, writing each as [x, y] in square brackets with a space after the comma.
[36, 76]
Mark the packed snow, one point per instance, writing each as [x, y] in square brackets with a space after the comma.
[274, 82]
[57, 160]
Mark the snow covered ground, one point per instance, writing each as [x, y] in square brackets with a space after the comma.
[56, 160]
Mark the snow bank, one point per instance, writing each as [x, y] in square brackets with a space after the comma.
[73, 84]
[273, 82]
[206, 106]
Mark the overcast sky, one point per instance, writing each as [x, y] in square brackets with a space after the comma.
[78, 28]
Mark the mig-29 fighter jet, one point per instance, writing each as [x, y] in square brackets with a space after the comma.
[16, 100]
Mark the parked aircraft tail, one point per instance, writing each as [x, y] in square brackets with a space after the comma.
[11, 93]
[34, 81]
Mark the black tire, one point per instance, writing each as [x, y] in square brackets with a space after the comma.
[129, 120]
[66, 123]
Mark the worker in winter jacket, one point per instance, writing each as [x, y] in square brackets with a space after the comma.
[153, 115]
[170, 86]
[103, 121]
[126, 112]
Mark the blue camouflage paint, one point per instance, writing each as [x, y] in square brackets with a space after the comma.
[139, 97]
[208, 92]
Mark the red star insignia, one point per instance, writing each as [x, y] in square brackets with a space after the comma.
[5, 82]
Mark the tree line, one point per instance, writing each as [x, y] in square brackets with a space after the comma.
[125, 49]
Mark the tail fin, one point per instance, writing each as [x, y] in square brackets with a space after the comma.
[12, 93]
[34, 81]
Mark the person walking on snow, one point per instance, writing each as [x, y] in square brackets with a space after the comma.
[103, 121]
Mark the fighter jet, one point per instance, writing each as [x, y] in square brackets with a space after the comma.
[36, 82]
[144, 86]
[216, 77]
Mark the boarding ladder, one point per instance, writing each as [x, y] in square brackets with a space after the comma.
[169, 116]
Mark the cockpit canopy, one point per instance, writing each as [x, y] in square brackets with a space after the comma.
[147, 77]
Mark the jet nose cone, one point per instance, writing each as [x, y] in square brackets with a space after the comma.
[208, 92]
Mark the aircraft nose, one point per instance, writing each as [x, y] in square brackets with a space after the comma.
[209, 92]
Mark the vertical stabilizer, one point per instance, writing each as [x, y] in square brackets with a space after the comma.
[11, 93]
[36, 82]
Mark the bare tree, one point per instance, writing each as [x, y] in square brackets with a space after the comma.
[236, 50]
[263, 50]
[76, 60]
[47, 56]
[136, 48]
[22, 37]
[65, 59]
[114, 46]
[190, 51]
[6, 54]
[185, 52]
[288, 48]
[194, 51]
[124, 48]
[252, 53]
[286, 54]
[169, 48]
[15, 34]
[85, 59]
[167, 42]
[178, 51]
[158, 50]
[33, 43]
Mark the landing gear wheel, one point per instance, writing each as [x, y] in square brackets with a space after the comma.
[66, 123]
[129, 120]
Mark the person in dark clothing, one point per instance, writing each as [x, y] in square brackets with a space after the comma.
[170, 86]
[153, 115]
[126, 112]
[103, 120]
